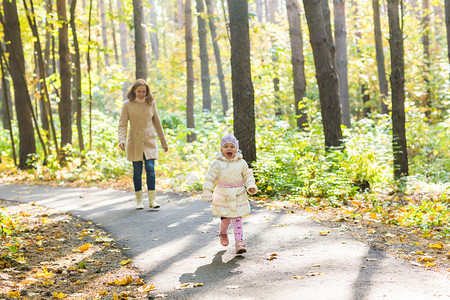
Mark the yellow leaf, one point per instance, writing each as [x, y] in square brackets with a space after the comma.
[371, 231]
[430, 264]
[21, 260]
[308, 209]
[44, 274]
[426, 258]
[323, 233]
[84, 248]
[436, 246]
[373, 215]
[58, 295]
[299, 277]
[356, 202]
[190, 285]
[103, 293]
[14, 294]
[148, 288]
[125, 262]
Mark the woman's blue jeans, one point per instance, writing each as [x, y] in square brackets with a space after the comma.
[149, 170]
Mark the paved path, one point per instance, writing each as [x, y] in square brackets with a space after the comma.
[178, 244]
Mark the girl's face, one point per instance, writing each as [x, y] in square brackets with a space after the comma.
[229, 150]
[141, 92]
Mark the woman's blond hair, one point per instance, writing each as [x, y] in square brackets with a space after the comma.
[131, 95]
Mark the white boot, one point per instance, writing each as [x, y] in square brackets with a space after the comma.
[151, 199]
[139, 203]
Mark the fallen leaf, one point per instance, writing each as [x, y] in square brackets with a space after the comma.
[14, 294]
[299, 276]
[324, 233]
[436, 246]
[371, 259]
[313, 274]
[125, 262]
[189, 285]
[232, 287]
[148, 288]
[58, 295]
[371, 231]
[83, 248]
[426, 258]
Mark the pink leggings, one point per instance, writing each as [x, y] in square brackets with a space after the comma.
[237, 227]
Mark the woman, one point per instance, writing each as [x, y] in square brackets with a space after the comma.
[141, 145]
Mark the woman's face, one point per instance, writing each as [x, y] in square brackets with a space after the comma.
[141, 92]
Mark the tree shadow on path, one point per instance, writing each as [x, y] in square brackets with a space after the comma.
[215, 271]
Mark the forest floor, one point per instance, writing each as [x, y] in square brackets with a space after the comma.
[59, 252]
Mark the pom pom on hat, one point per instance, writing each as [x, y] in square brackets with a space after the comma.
[229, 138]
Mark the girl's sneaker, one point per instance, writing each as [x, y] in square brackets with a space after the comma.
[240, 247]
[224, 239]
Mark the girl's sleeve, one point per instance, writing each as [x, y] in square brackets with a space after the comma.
[158, 127]
[249, 179]
[123, 124]
[210, 182]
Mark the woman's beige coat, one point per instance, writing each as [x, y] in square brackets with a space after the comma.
[141, 140]
[230, 202]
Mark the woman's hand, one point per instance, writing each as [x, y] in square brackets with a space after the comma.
[122, 146]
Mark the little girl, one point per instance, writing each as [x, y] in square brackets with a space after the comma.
[232, 179]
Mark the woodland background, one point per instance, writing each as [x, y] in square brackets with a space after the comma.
[77, 142]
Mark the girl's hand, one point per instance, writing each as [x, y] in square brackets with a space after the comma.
[252, 191]
[122, 146]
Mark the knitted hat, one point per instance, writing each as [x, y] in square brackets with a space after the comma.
[229, 138]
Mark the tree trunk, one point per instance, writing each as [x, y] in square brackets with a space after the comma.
[123, 44]
[259, 10]
[180, 9]
[243, 94]
[398, 91]
[104, 34]
[190, 120]
[203, 56]
[212, 29]
[340, 34]
[272, 10]
[65, 102]
[447, 25]
[298, 62]
[382, 81]
[77, 79]
[139, 40]
[45, 97]
[27, 142]
[325, 73]
[7, 110]
[5, 95]
[154, 32]
[113, 26]
[88, 59]
[327, 19]
[426, 54]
